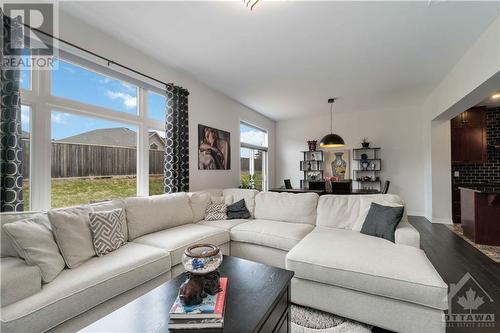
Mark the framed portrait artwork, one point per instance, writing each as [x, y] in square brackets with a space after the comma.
[214, 148]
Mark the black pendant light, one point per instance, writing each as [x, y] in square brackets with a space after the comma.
[331, 140]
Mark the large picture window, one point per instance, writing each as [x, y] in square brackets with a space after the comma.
[91, 137]
[253, 157]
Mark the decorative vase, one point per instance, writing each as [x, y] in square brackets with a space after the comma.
[365, 144]
[312, 145]
[339, 166]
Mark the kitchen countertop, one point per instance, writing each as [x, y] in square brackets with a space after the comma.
[487, 188]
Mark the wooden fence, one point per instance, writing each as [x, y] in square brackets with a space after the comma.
[79, 160]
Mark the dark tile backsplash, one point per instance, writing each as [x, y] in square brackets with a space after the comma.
[488, 172]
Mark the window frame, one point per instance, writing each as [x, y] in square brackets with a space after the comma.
[41, 101]
[252, 148]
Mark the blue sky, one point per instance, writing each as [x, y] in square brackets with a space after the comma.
[77, 83]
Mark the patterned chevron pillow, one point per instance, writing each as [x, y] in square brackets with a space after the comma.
[216, 211]
[106, 227]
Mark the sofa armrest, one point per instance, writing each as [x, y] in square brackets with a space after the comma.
[406, 234]
[18, 280]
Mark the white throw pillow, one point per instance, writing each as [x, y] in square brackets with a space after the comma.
[365, 208]
[35, 243]
[71, 229]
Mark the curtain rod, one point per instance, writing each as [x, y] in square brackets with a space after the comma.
[109, 61]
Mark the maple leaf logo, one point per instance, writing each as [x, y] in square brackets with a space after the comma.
[470, 301]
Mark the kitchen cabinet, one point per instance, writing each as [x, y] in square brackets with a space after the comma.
[468, 137]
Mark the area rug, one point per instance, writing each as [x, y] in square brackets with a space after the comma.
[307, 320]
[492, 252]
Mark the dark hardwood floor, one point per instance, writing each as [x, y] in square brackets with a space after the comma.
[453, 258]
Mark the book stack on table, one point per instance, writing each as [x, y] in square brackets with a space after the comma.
[208, 314]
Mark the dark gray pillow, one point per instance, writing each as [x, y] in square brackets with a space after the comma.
[238, 210]
[382, 221]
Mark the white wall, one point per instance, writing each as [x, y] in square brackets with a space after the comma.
[397, 131]
[475, 77]
[206, 106]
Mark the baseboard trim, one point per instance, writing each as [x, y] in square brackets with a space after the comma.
[415, 213]
[442, 221]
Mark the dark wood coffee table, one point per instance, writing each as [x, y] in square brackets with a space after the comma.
[258, 301]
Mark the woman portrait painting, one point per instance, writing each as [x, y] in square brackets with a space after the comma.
[214, 151]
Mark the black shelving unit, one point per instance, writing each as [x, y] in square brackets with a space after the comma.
[312, 167]
[366, 171]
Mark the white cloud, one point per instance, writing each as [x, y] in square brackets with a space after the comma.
[58, 118]
[129, 101]
[128, 87]
[253, 137]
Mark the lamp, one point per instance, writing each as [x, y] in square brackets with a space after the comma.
[331, 140]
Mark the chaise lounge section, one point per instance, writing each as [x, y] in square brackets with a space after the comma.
[337, 269]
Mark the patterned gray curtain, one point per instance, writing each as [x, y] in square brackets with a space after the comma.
[10, 124]
[176, 168]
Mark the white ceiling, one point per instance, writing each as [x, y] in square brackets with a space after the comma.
[285, 59]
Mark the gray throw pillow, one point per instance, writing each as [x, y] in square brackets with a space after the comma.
[106, 228]
[382, 221]
[238, 210]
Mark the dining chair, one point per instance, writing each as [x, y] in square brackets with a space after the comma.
[386, 187]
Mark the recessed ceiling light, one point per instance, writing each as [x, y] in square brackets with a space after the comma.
[495, 96]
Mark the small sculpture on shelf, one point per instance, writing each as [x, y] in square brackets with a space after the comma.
[201, 262]
[312, 144]
[365, 143]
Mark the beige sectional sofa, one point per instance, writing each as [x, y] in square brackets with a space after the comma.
[337, 269]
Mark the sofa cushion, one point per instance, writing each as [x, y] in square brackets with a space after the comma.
[35, 243]
[390, 200]
[286, 207]
[382, 221]
[238, 210]
[6, 247]
[16, 272]
[176, 240]
[275, 234]
[224, 224]
[106, 227]
[198, 202]
[348, 259]
[77, 290]
[157, 212]
[348, 211]
[110, 205]
[71, 227]
[245, 194]
[216, 211]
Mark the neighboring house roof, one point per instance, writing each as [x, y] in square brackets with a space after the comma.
[121, 137]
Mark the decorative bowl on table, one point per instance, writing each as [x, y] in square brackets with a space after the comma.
[202, 258]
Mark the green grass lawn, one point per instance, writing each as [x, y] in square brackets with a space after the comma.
[71, 192]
